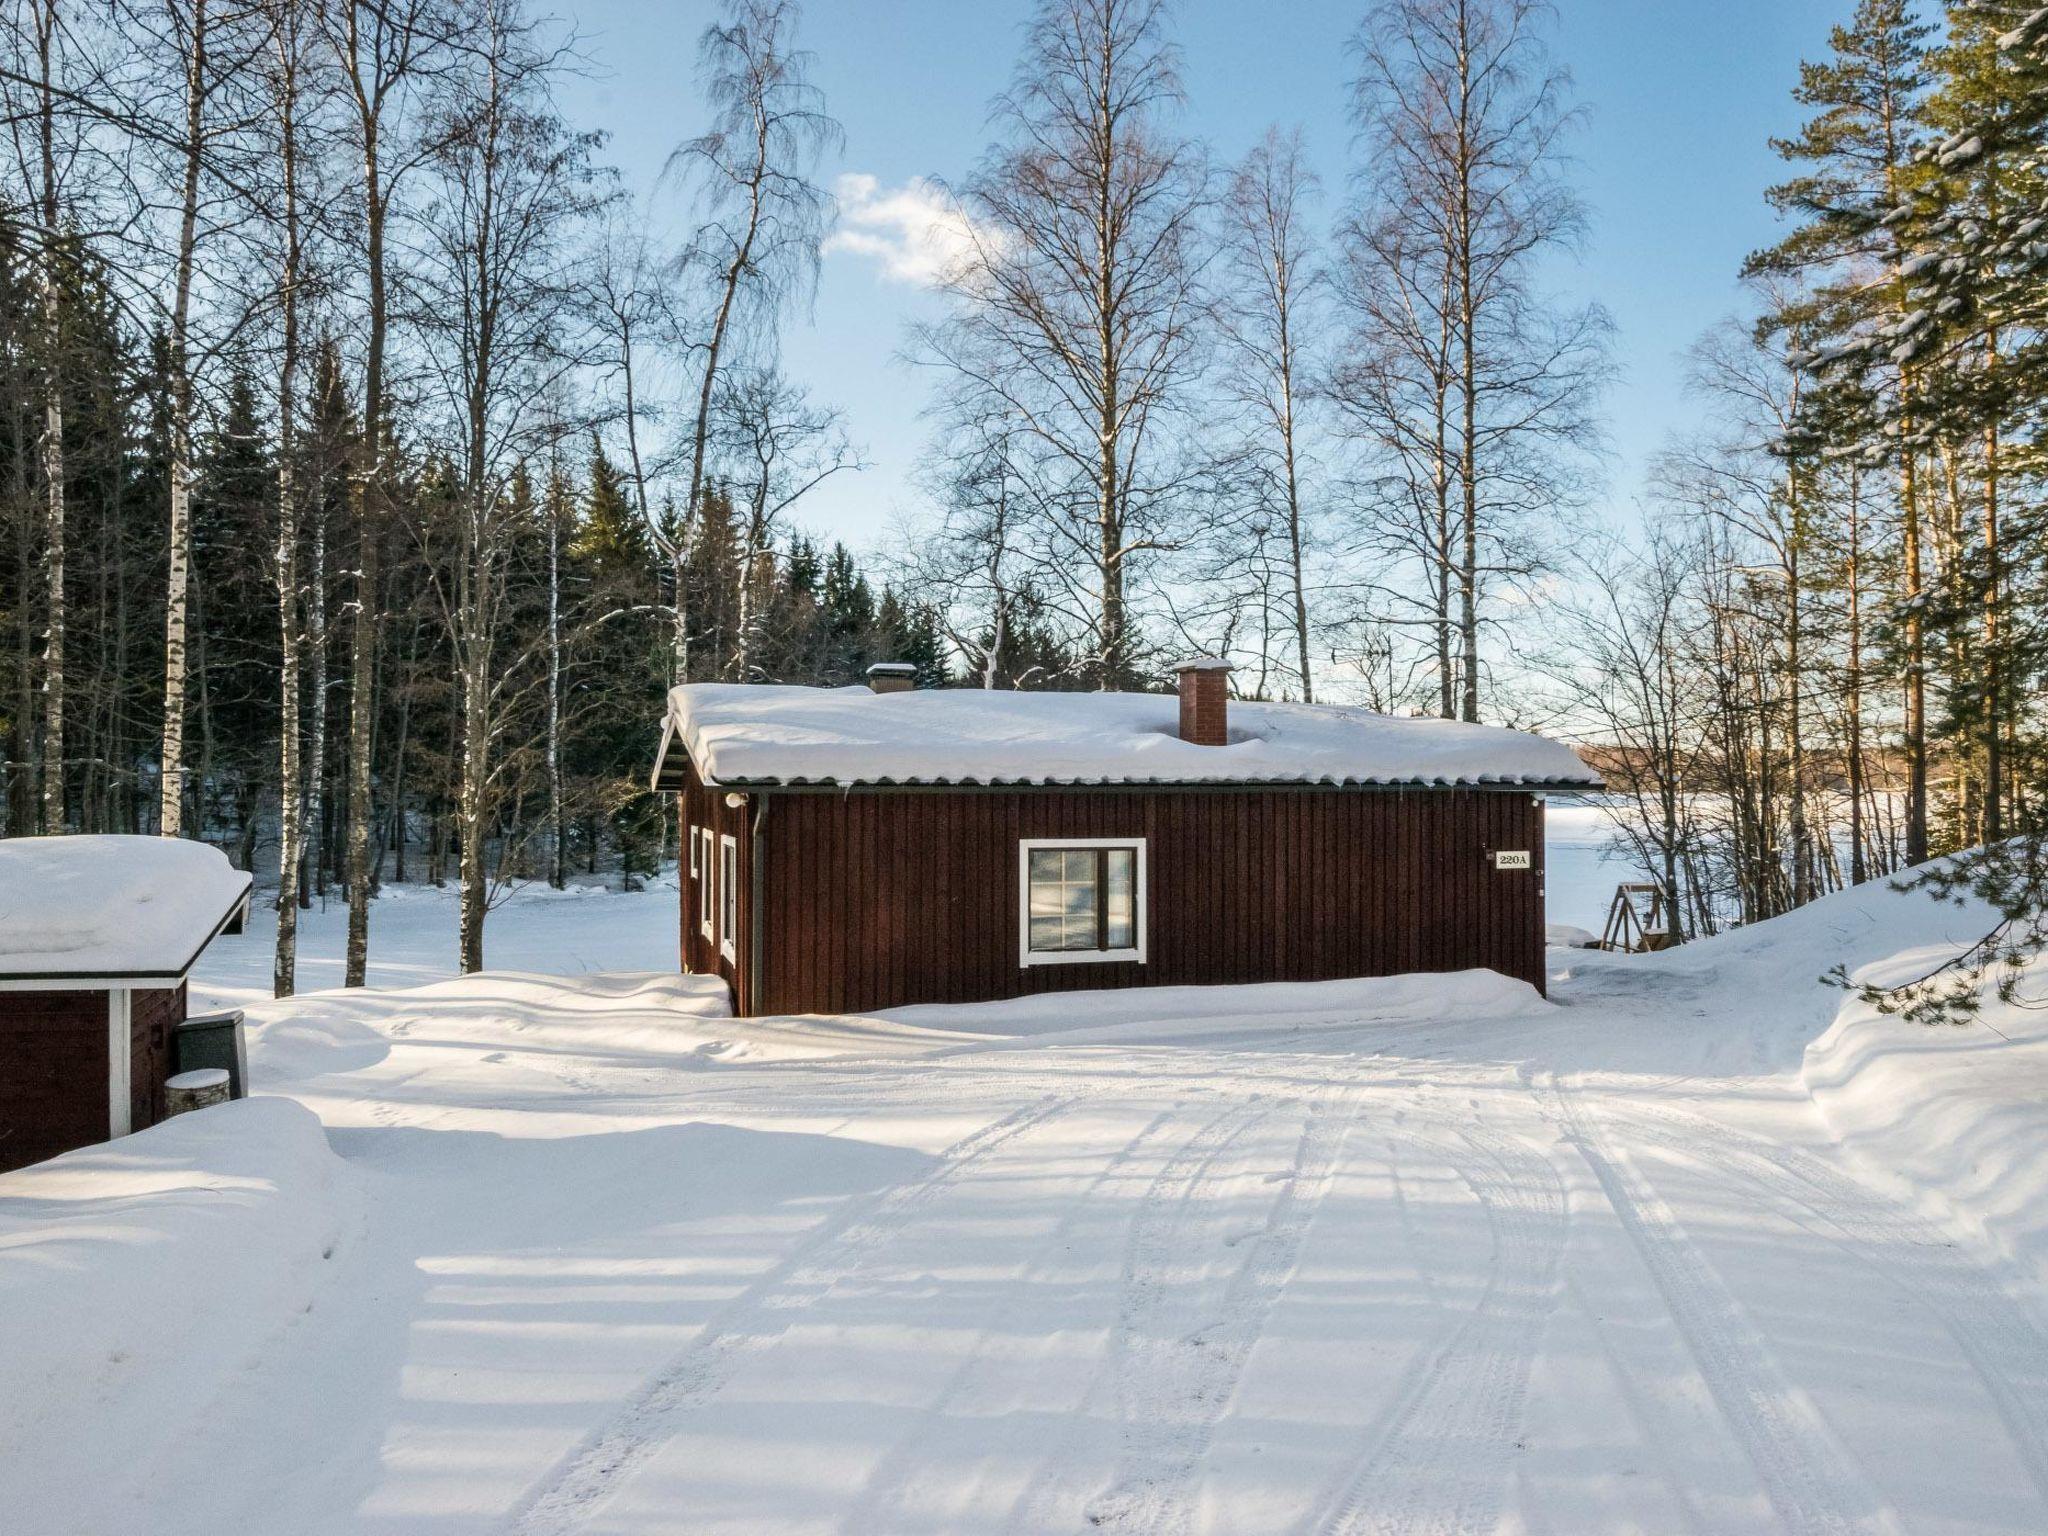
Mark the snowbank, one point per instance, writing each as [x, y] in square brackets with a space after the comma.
[1207, 1015]
[111, 906]
[137, 1277]
[770, 734]
[652, 1020]
[1957, 1112]
[1950, 1116]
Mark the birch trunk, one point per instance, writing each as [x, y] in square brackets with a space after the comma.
[369, 508]
[53, 435]
[317, 857]
[557, 872]
[1468, 386]
[171, 805]
[734, 274]
[290, 790]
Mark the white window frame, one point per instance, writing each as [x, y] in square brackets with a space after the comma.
[728, 897]
[707, 896]
[1027, 956]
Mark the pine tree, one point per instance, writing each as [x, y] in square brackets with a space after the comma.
[1857, 150]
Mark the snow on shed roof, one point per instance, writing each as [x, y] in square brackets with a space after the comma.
[137, 909]
[742, 735]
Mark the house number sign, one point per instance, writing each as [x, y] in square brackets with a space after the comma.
[1511, 858]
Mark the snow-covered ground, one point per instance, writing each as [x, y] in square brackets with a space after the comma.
[1690, 1247]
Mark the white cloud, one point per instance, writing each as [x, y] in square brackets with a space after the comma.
[916, 233]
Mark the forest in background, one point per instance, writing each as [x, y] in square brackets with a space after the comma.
[368, 468]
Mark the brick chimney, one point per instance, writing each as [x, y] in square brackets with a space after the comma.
[1204, 701]
[892, 677]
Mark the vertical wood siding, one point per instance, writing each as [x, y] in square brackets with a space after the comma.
[53, 1074]
[153, 1019]
[53, 1068]
[877, 899]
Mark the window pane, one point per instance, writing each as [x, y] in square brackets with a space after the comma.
[1081, 900]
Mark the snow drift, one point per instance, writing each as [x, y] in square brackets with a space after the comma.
[137, 1278]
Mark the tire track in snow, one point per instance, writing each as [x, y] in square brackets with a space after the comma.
[1437, 1460]
[2004, 1344]
[1192, 1375]
[753, 1319]
[1173, 1191]
[1811, 1482]
[877, 1509]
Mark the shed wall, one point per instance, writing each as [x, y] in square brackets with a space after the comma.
[153, 1019]
[53, 1074]
[878, 899]
[53, 1068]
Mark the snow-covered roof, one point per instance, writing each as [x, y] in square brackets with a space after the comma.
[747, 735]
[76, 910]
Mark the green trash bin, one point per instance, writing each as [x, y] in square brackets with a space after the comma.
[215, 1040]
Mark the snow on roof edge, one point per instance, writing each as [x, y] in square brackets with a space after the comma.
[103, 910]
[772, 736]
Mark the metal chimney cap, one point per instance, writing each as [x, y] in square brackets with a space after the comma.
[1204, 664]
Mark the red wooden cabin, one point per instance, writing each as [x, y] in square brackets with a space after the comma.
[97, 936]
[854, 849]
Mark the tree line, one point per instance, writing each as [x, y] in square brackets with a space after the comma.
[351, 515]
[1822, 660]
[371, 463]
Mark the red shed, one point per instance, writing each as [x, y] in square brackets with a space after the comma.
[97, 936]
[851, 849]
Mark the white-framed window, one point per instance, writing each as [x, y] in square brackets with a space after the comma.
[706, 912]
[728, 897]
[1080, 899]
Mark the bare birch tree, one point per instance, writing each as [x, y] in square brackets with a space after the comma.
[496, 277]
[1077, 305]
[382, 52]
[285, 78]
[765, 216]
[1268, 310]
[42, 141]
[1462, 119]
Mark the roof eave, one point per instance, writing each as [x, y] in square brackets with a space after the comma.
[994, 785]
[146, 979]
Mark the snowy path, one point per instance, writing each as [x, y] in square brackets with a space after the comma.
[1377, 1257]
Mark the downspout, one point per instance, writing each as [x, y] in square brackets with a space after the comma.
[757, 907]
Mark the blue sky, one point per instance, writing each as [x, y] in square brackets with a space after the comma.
[1682, 96]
